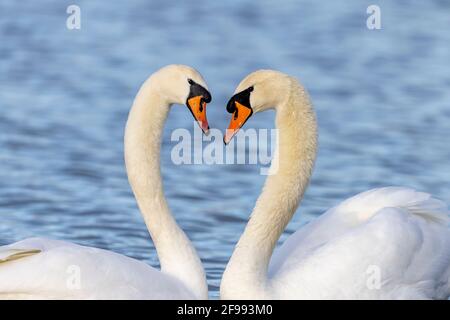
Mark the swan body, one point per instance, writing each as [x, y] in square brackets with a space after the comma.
[39, 268]
[387, 243]
[63, 270]
[394, 236]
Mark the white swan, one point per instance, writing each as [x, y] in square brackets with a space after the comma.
[388, 243]
[46, 269]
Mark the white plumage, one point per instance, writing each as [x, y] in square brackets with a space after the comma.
[63, 270]
[388, 243]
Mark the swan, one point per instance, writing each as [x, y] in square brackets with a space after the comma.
[39, 268]
[386, 243]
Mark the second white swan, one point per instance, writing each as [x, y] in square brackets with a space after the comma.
[388, 243]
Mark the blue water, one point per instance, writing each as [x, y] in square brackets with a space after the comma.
[382, 98]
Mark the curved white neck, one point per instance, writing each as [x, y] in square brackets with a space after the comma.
[246, 273]
[143, 133]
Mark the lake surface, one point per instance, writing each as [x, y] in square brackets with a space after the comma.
[382, 99]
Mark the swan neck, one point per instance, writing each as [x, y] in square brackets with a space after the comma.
[143, 133]
[283, 190]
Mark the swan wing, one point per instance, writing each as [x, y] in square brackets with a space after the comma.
[14, 254]
[49, 269]
[396, 236]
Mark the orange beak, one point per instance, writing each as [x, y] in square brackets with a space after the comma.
[240, 116]
[198, 109]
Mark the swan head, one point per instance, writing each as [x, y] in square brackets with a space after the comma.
[180, 84]
[259, 91]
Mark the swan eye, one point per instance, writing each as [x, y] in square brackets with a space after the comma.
[191, 82]
[231, 107]
[250, 89]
